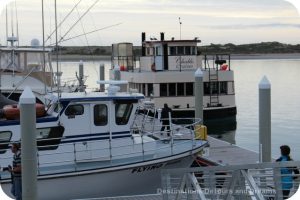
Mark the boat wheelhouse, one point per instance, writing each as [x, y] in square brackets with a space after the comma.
[165, 74]
[32, 67]
[99, 144]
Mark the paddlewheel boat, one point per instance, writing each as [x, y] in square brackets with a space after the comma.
[165, 74]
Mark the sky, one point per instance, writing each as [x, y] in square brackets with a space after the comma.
[212, 21]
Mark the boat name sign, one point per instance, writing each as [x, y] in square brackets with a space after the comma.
[147, 168]
[184, 62]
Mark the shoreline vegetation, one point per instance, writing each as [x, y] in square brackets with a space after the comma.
[263, 50]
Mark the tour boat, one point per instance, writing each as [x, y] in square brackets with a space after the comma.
[165, 74]
[96, 144]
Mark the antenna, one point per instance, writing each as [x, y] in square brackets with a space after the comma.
[180, 23]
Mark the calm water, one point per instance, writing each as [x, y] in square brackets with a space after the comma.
[284, 76]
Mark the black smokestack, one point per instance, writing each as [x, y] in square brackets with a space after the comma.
[143, 45]
[162, 36]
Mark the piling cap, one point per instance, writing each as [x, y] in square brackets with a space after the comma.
[264, 83]
[199, 73]
[27, 96]
[81, 62]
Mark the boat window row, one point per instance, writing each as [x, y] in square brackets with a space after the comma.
[47, 138]
[184, 89]
[122, 113]
[172, 50]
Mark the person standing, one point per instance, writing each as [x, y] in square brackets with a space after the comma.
[286, 173]
[165, 118]
[15, 171]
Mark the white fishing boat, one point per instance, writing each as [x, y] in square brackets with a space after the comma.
[97, 145]
[32, 67]
[165, 74]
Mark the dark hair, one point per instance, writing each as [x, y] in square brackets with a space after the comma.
[285, 150]
[165, 105]
[17, 145]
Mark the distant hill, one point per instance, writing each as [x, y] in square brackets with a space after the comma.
[256, 48]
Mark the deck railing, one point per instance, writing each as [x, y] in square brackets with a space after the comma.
[253, 181]
[109, 150]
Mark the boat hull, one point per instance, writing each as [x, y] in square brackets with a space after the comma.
[135, 179]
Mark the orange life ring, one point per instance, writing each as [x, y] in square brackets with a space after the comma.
[13, 112]
[153, 67]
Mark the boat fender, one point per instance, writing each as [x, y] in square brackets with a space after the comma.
[12, 112]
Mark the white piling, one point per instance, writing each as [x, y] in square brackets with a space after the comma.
[265, 119]
[81, 76]
[102, 77]
[28, 145]
[199, 94]
[117, 73]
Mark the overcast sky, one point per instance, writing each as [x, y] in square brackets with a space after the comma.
[213, 21]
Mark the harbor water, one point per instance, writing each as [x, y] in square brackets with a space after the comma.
[285, 93]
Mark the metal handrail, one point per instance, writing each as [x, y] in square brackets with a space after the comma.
[255, 181]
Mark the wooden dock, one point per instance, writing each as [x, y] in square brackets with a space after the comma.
[224, 153]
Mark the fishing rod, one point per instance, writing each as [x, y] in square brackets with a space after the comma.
[62, 38]
[64, 19]
[106, 27]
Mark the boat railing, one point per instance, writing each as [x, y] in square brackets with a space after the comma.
[140, 146]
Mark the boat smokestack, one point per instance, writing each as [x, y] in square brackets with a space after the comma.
[162, 36]
[143, 45]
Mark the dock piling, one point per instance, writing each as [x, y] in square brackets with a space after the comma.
[28, 145]
[199, 94]
[102, 76]
[265, 120]
[81, 76]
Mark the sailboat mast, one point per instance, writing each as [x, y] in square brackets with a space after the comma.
[44, 56]
[56, 46]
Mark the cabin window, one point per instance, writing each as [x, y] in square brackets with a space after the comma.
[214, 87]
[180, 89]
[172, 51]
[158, 51]
[194, 50]
[172, 89]
[73, 110]
[206, 88]
[49, 138]
[100, 115]
[187, 51]
[180, 50]
[150, 89]
[5, 137]
[189, 88]
[223, 87]
[123, 112]
[163, 89]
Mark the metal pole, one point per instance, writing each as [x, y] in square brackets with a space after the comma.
[265, 119]
[102, 77]
[81, 75]
[28, 145]
[199, 94]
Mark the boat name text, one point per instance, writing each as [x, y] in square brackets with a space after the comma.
[147, 168]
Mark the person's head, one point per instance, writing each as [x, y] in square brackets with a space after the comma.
[15, 147]
[165, 105]
[285, 150]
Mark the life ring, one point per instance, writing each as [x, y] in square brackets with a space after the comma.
[12, 112]
[153, 67]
